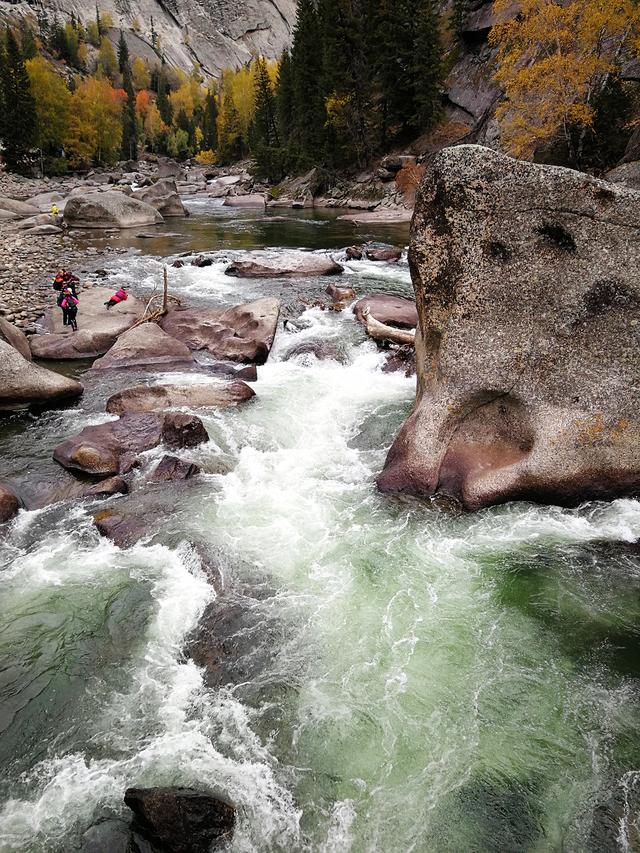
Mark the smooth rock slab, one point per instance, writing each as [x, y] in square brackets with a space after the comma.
[286, 265]
[527, 348]
[252, 200]
[181, 820]
[145, 346]
[109, 210]
[391, 310]
[23, 383]
[156, 398]
[243, 333]
[112, 448]
[15, 337]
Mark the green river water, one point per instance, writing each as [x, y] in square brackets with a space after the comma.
[415, 679]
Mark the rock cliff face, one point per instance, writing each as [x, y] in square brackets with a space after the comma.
[215, 33]
[527, 352]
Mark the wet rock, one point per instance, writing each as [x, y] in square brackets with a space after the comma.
[340, 294]
[9, 504]
[109, 836]
[401, 360]
[145, 346]
[391, 310]
[122, 529]
[23, 383]
[383, 253]
[171, 468]
[253, 200]
[98, 328]
[354, 253]
[177, 265]
[112, 448]
[290, 264]
[322, 348]
[108, 488]
[248, 373]
[109, 209]
[242, 333]
[15, 338]
[156, 398]
[526, 390]
[164, 196]
[180, 820]
[201, 261]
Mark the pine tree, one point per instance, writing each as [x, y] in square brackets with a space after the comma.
[284, 98]
[123, 54]
[18, 115]
[427, 68]
[230, 142]
[308, 135]
[129, 124]
[27, 40]
[209, 121]
[164, 104]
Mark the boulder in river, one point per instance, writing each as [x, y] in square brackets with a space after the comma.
[164, 196]
[9, 504]
[252, 200]
[15, 337]
[20, 208]
[386, 308]
[107, 488]
[145, 346]
[98, 328]
[243, 333]
[112, 448]
[171, 468]
[383, 253]
[527, 349]
[110, 209]
[23, 383]
[180, 820]
[156, 398]
[340, 294]
[285, 265]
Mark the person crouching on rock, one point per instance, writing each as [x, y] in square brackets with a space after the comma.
[118, 296]
[69, 304]
[63, 279]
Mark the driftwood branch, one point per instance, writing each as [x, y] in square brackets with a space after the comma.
[388, 334]
[154, 311]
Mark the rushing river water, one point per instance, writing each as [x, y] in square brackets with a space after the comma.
[413, 679]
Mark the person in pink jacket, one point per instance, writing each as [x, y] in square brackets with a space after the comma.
[118, 296]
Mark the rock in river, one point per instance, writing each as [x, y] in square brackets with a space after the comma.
[527, 349]
[112, 448]
[242, 333]
[15, 337]
[180, 820]
[98, 328]
[285, 265]
[109, 210]
[163, 195]
[23, 383]
[391, 310]
[145, 346]
[9, 504]
[155, 398]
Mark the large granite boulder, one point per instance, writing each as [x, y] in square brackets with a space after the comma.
[527, 350]
[23, 383]
[243, 333]
[98, 329]
[112, 448]
[156, 398]
[15, 337]
[386, 308]
[110, 209]
[145, 346]
[9, 504]
[284, 265]
[164, 196]
[251, 200]
[180, 820]
[20, 208]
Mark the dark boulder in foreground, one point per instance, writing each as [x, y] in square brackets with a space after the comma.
[386, 308]
[9, 504]
[155, 398]
[107, 488]
[171, 468]
[180, 820]
[112, 448]
[23, 383]
[242, 333]
[145, 346]
[527, 350]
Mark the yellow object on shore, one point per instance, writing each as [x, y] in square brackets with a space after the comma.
[54, 210]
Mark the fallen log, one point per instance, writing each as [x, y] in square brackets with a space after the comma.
[387, 334]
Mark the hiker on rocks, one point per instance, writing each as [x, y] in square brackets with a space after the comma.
[119, 296]
[63, 279]
[68, 301]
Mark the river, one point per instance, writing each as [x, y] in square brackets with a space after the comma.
[410, 678]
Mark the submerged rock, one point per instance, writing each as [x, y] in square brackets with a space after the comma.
[109, 210]
[145, 346]
[180, 820]
[241, 333]
[112, 448]
[98, 329]
[171, 468]
[391, 310]
[23, 383]
[527, 351]
[107, 488]
[155, 398]
[289, 264]
[9, 504]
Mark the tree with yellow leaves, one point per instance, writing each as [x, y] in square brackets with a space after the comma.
[95, 124]
[53, 102]
[554, 60]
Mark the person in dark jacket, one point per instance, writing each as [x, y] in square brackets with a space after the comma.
[69, 304]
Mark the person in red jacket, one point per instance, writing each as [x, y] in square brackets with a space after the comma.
[118, 296]
[69, 304]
